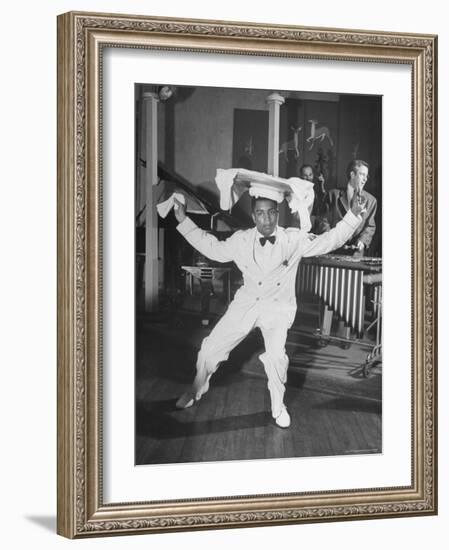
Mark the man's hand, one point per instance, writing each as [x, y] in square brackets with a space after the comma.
[180, 210]
[360, 249]
[358, 204]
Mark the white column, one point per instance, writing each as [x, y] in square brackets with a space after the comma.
[151, 237]
[274, 101]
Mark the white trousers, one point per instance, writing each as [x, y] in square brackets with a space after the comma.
[225, 336]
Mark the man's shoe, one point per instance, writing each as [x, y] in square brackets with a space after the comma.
[283, 420]
[185, 401]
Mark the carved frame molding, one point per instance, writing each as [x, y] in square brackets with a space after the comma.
[81, 38]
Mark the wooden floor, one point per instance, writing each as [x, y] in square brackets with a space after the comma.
[334, 410]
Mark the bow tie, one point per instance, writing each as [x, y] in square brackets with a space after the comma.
[271, 239]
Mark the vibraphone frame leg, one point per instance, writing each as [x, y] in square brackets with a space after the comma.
[327, 321]
[344, 332]
[375, 356]
[326, 316]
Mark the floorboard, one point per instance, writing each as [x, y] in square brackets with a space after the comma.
[334, 409]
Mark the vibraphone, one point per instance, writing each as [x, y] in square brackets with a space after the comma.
[339, 281]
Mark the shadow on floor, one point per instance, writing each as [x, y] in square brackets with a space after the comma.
[46, 522]
[159, 421]
[358, 405]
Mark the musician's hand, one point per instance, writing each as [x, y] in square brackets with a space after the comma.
[358, 204]
[180, 210]
[360, 250]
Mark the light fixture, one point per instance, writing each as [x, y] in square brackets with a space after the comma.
[165, 92]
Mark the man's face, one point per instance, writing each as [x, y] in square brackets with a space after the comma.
[358, 177]
[265, 216]
[307, 173]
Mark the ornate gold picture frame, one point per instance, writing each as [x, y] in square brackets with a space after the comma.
[82, 41]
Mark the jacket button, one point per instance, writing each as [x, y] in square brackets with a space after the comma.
[260, 282]
[279, 284]
[257, 299]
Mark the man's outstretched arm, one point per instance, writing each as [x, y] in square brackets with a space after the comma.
[336, 237]
[205, 243]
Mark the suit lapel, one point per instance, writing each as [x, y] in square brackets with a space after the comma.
[344, 207]
[343, 201]
[283, 242]
[250, 251]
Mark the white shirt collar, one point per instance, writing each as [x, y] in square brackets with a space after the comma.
[259, 235]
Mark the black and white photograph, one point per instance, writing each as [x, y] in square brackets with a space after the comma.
[258, 274]
[156, 394]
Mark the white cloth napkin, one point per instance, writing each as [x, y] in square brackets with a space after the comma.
[233, 182]
[163, 208]
[230, 192]
[301, 200]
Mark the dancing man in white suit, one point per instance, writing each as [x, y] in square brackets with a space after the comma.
[268, 257]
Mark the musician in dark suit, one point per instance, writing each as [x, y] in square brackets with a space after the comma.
[337, 203]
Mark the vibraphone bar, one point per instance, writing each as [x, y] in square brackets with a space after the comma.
[339, 282]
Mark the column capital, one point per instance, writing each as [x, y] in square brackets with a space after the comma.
[275, 98]
[150, 95]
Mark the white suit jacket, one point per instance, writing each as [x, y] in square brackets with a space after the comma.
[267, 297]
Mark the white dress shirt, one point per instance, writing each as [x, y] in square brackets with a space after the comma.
[267, 256]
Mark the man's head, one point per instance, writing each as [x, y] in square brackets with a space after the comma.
[265, 215]
[306, 172]
[357, 173]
